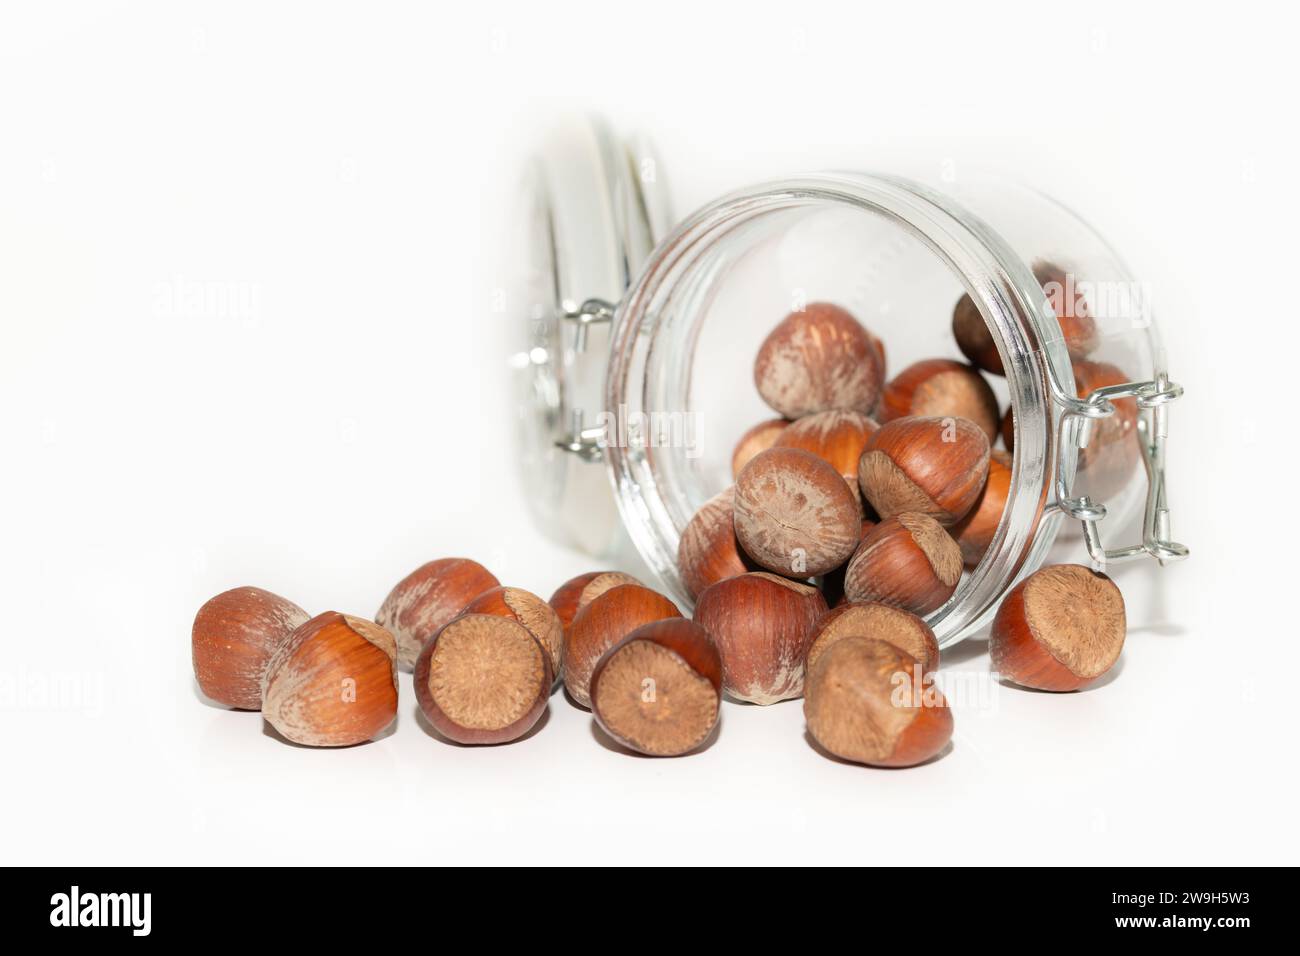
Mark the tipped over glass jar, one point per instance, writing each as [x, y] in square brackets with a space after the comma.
[637, 366]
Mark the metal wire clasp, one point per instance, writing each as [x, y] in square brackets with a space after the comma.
[1153, 398]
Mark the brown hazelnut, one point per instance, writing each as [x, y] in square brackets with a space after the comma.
[428, 598]
[907, 561]
[759, 438]
[658, 690]
[974, 532]
[332, 682]
[837, 437]
[1106, 463]
[233, 637]
[975, 339]
[1059, 629]
[483, 679]
[936, 466]
[526, 608]
[1071, 307]
[901, 628]
[819, 359]
[794, 514]
[762, 624]
[867, 701]
[942, 388]
[603, 623]
[1009, 431]
[576, 593]
[708, 550]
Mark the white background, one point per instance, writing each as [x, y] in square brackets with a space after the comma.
[344, 165]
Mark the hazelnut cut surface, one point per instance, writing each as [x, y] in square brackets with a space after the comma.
[935, 466]
[759, 438]
[233, 638]
[708, 550]
[1060, 629]
[901, 628]
[659, 690]
[908, 561]
[429, 597]
[333, 682]
[576, 593]
[794, 514]
[939, 388]
[525, 608]
[819, 359]
[762, 624]
[862, 703]
[602, 624]
[483, 679]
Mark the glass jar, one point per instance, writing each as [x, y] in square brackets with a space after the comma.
[676, 328]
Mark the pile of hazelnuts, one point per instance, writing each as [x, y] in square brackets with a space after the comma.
[852, 516]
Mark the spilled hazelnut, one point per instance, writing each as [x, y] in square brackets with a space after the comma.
[576, 593]
[901, 628]
[658, 690]
[233, 638]
[1059, 629]
[868, 702]
[428, 598]
[525, 608]
[837, 437]
[762, 624]
[483, 679]
[602, 624]
[332, 682]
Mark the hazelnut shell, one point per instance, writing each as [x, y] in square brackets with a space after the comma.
[233, 638]
[429, 597]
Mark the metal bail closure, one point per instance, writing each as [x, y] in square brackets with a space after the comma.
[1074, 430]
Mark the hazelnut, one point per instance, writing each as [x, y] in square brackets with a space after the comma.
[483, 679]
[602, 624]
[332, 682]
[708, 550]
[819, 359]
[428, 598]
[1071, 307]
[901, 628]
[831, 584]
[942, 388]
[974, 533]
[659, 689]
[576, 593]
[932, 466]
[837, 437]
[936, 466]
[794, 514]
[762, 624]
[1059, 629]
[975, 338]
[1107, 461]
[867, 701]
[526, 608]
[759, 438]
[907, 561]
[1009, 431]
[233, 637]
